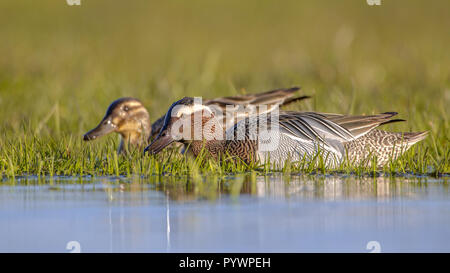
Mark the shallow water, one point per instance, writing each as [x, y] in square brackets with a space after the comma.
[244, 213]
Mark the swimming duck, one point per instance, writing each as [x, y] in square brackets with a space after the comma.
[129, 118]
[286, 135]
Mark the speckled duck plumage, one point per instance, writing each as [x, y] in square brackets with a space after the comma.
[300, 135]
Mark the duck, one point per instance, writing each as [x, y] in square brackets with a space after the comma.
[129, 118]
[286, 135]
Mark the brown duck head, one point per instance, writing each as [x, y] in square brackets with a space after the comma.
[127, 117]
[186, 122]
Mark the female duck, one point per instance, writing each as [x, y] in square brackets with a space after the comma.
[286, 135]
[129, 118]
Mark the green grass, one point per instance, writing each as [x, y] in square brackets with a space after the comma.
[61, 66]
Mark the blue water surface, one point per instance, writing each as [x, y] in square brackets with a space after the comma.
[247, 213]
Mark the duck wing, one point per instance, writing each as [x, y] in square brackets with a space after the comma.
[278, 97]
[360, 125]
[323, 127]
[244, 106]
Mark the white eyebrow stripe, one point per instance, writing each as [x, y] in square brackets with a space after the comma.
[132, 103]
[188, 110]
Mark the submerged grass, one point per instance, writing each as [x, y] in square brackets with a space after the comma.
[57, 79]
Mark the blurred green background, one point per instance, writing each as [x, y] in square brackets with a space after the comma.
[61, 65]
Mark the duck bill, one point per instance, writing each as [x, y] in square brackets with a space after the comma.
[102, 129]
[159, 144]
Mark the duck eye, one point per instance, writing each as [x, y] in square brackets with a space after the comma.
[125, 108]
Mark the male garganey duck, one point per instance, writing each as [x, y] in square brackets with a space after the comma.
[129, 118]
[286, 135]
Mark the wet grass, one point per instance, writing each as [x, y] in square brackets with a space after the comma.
[71, 156]
[61, 66]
